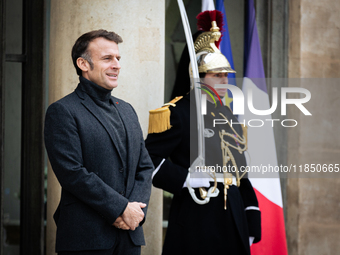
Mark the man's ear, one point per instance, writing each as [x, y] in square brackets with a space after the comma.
[83, 64]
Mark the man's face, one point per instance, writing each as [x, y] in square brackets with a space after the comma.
[217, 78]
[105, 58]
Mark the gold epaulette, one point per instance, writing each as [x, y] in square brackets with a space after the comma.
[159, 119]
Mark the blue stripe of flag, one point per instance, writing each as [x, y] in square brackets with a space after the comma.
[225, 46]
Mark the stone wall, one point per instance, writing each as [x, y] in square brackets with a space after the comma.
[313, 205]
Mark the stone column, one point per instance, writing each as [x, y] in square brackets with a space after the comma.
[141, 81]
[313, 204]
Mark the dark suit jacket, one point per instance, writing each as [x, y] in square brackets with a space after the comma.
[81, 147]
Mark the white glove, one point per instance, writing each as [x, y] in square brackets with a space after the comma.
[197, 182]
[251, 240]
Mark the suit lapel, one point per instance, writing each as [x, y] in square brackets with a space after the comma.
[93, 108]
[129, 150]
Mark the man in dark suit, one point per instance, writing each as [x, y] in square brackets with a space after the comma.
[96, 148]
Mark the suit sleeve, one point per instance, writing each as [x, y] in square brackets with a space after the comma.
[142, 186]
[64, 150]
[252, 211]
[170, 176]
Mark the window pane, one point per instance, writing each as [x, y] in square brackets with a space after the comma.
[12, 157]
[14, 27]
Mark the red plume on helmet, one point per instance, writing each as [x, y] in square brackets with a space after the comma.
[204, 20]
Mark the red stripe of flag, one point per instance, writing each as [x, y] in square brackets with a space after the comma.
[273, 241]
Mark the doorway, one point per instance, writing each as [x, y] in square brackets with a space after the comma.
[22, 107]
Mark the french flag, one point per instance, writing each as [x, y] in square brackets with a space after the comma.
[225, 45]
[225, 48]
[261, 145]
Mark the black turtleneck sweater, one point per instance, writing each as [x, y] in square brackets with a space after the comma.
[102, 98]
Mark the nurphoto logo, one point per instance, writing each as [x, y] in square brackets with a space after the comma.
[239, 103]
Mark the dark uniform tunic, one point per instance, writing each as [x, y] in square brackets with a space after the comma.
[193, 228]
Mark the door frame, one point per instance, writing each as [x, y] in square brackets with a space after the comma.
[32, 152]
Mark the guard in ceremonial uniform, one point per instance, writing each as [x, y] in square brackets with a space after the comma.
[226, 218]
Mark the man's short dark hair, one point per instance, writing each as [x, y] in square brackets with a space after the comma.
[80, 48]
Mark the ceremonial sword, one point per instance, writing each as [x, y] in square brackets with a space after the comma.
[199, 162]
